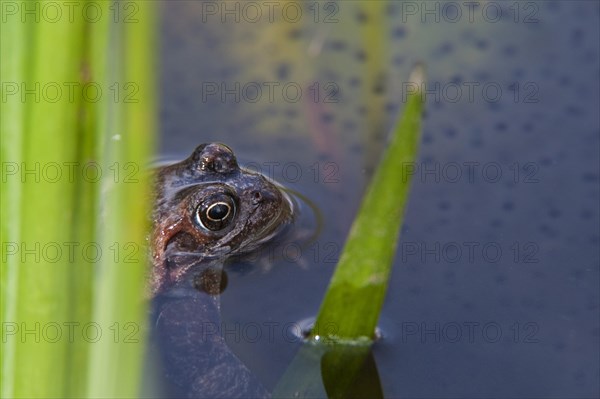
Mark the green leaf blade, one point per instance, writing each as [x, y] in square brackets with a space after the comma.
[47, 310]
[42, 304]
[128, 130]
[357, 289]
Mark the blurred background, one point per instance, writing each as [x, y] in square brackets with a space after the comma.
[494, 290]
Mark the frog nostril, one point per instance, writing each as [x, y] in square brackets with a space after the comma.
[256, 197]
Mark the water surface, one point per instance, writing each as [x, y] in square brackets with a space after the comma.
[495, 286]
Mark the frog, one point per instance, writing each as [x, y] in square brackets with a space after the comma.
[207, 209]
[210, 208]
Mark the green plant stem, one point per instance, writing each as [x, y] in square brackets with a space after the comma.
[128, 140]
[334, 361]
[357, 289]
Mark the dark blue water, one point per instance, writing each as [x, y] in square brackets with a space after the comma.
[495, 287]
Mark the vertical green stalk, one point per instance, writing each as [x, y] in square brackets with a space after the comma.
[56, 127]
[377, 62]
[128, 131]
[46, 199]
[13, 40]
[85, 211]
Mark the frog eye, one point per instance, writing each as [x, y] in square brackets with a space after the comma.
[215, 212]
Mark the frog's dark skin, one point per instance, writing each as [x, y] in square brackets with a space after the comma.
[206, 209]
[185, 192]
